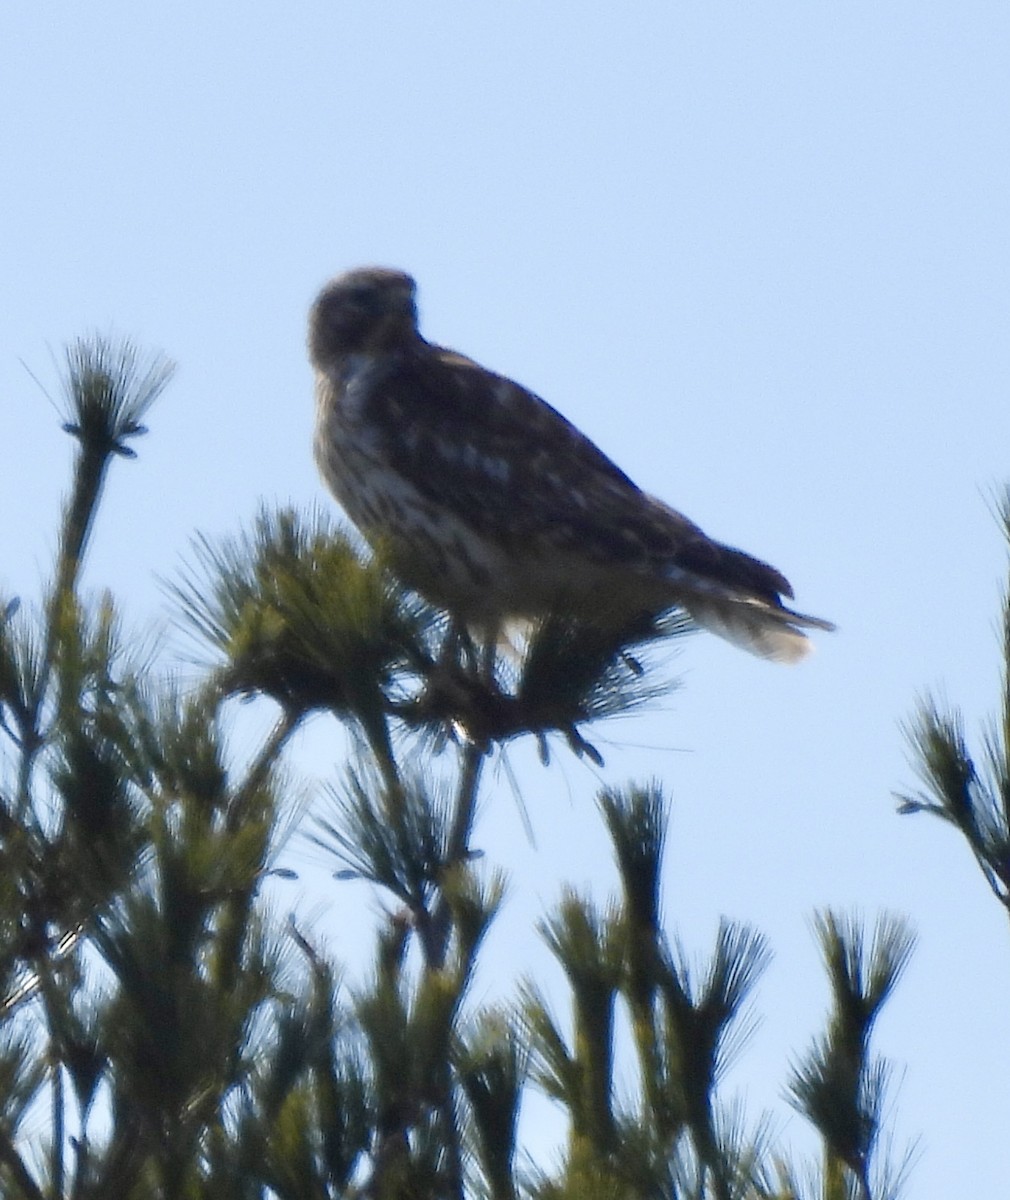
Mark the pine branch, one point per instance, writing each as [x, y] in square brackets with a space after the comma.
[297, 615]
[838, 1087]
[491, 1063]
[975, 801]
[108, 388]
[703, 1023]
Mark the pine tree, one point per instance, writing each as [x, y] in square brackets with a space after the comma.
[974, 799]
[164, 1034]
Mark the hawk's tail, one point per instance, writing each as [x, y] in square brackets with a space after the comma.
[768, 630]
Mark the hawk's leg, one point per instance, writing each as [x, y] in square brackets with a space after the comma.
[475, 657]
[461, 688]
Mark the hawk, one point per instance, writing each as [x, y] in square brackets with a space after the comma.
[493, 506]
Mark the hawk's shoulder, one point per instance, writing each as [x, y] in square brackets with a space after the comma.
[461, 415]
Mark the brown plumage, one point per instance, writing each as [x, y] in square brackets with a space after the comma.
[494, 506]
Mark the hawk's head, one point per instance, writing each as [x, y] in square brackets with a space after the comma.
[369, 309]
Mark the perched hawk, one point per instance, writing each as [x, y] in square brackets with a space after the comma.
[493, 506]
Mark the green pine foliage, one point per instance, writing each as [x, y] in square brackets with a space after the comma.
[165, 1033]
[969, 792]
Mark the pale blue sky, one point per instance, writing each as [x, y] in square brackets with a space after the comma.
[759, 252]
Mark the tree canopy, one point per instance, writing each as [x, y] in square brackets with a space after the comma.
[165, 1033]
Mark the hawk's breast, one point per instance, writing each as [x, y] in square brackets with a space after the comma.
[433, 550]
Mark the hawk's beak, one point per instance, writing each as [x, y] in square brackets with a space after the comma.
[394, 326]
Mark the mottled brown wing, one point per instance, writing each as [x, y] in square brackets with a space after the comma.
[734, 568]
[481, 446]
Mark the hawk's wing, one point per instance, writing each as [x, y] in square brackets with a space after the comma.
[482, 446]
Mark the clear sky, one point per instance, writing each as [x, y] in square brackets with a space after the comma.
[759, 252]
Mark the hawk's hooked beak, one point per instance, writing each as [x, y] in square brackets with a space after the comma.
[396, 326]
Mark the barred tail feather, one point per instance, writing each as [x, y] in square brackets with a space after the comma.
[767, 630]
